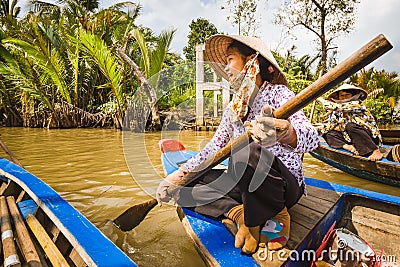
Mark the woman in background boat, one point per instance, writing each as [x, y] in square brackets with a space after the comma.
[351, 126]
[265, 178]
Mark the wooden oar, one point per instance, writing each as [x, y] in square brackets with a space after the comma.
[359, 59]
[131, 218]
[9, 153]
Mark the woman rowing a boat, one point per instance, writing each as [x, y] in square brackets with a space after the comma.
[263, 179]
[351, 126]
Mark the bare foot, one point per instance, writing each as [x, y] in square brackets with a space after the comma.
[376, 155]
[274, 246]
[351, 148]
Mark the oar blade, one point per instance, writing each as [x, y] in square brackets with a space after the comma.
[133, 216]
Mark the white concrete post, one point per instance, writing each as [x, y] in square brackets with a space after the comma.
[199, 84]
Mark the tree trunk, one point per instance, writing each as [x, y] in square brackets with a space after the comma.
[148, 88]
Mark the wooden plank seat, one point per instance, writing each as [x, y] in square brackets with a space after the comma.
[51, 250]
[308, 212]
[39, 244]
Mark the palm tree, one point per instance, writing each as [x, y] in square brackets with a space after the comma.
[109, 66]
[372, 79]
[9, 10]
[9, 13]
[151, 63]
[65, 68]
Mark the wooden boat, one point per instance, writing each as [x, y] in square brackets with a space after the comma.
[383, 171]
[390, 136]
[373, 216]
[46, 229]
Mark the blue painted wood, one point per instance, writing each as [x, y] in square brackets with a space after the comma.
[27, 207]
[218, 240]
[220, 243]
[212, 233]
[171, 160]
[352, 190]
[102, 251]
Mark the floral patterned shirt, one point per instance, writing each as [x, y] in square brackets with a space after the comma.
[352, 111]
[275, 96]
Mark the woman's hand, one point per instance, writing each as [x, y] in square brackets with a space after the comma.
[168, 189]
[267, 130]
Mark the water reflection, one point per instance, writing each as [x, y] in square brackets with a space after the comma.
[88, 168]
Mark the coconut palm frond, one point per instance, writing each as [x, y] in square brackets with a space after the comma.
[74, 58]
[22, 80]
[106, 61]
[52, 37]
[160, 52]
[48, 61]
[133, 9]
[6, 55]
[140, 40]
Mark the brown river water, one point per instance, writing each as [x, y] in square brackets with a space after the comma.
[102, 172]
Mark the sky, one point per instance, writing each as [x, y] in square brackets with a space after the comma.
[372, 18]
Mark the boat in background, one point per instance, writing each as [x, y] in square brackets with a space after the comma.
[363, 212]
[383, 171]
[390, 136]
[58, 235]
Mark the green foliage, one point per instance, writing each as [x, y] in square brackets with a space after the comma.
[297, 71]
[176, 86]
[106, 61]
[372, 79]
[153, 53]
[21, 76]
[200, 30]
[380, 109]
[50, 63]
[65, 52]
[9, 12]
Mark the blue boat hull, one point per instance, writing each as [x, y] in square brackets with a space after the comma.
[94, 248]
[215, 243]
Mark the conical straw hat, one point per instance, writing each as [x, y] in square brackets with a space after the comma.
[335, 95]
[216, 51]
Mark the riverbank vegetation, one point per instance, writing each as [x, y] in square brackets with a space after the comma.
[72, 64]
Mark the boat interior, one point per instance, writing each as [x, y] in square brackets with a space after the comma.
[375, 222]
[29, 236]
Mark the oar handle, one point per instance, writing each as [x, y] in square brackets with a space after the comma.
[8, 151]
[359, 59]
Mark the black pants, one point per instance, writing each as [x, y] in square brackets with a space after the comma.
[361, 138]
[255, 178]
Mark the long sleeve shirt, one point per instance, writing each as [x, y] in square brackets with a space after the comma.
[353, 111]
[275, 96]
